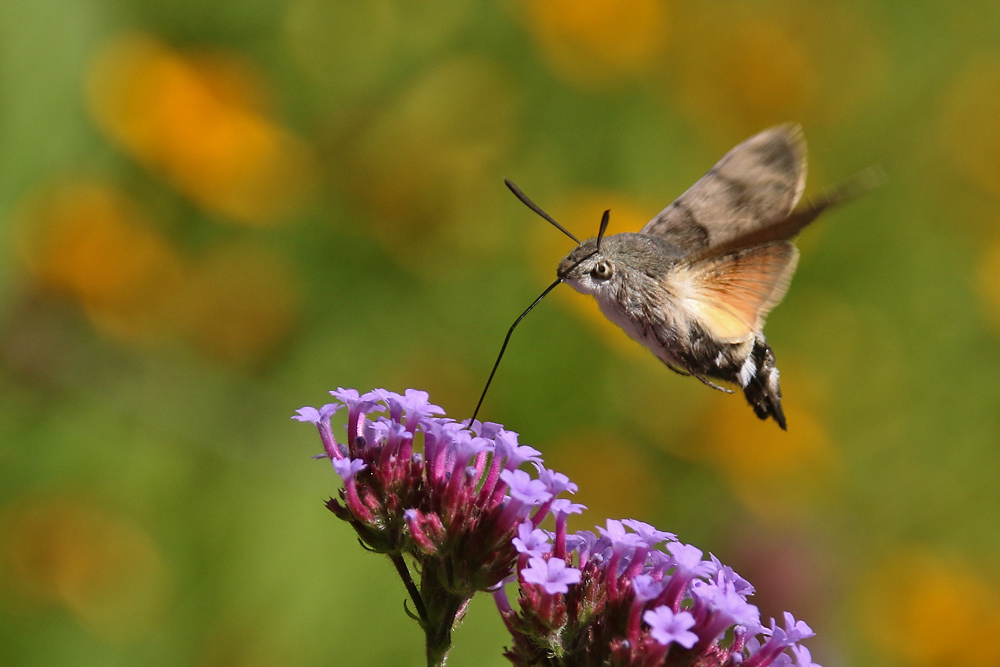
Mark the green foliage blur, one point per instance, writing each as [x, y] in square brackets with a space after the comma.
[215, 212]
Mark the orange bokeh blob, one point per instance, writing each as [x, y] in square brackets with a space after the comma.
[199, 121]
[759, 69]
[599, 41]
[91, 242]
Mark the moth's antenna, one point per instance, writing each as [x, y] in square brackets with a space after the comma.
[604, 228]
[507, 339]
[534, 207]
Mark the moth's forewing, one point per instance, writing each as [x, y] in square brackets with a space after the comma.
[756, 184]
[731, 294]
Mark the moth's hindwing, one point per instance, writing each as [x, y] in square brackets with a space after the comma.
[731, 294]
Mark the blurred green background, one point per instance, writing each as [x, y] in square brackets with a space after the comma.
[213, 213]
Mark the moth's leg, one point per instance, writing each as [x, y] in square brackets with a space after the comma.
[689, 372]
[676, 370]
[712, 384]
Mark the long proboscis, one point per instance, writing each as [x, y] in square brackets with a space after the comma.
[510, 331]
[503, 347]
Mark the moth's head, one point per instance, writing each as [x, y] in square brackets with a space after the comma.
[592, 267]
[587, 269]
[602, 266]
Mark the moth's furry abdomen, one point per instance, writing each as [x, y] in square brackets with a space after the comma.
[749, 364]
[763, 392]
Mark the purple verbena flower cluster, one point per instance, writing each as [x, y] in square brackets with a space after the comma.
[447, 494]
[452, 498]
[619, 599]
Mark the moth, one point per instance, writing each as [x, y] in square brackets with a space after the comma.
[696, 283]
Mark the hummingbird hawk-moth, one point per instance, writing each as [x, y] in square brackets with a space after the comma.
[695, 284]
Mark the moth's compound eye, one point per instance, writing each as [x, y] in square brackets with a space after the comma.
[601, 271]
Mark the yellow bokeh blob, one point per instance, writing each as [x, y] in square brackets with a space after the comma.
[101, 567]
[91, 242]
[930, 610]
[989, 282]
[200, 122]
[969, 133]
[741, 68]
[775, 473]
[763, 70]
[596, 42]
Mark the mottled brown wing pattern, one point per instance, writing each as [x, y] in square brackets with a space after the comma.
[756, 184]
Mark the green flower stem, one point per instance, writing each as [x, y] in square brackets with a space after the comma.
[444, 607]
[411, 588]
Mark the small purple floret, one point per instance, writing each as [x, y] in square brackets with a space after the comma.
[525, 489]
[531, 540]
[649, 534]
[665, 626]
[307, 414]
[801, 657]
[646, 588]
[553, 575]
[348, 468]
